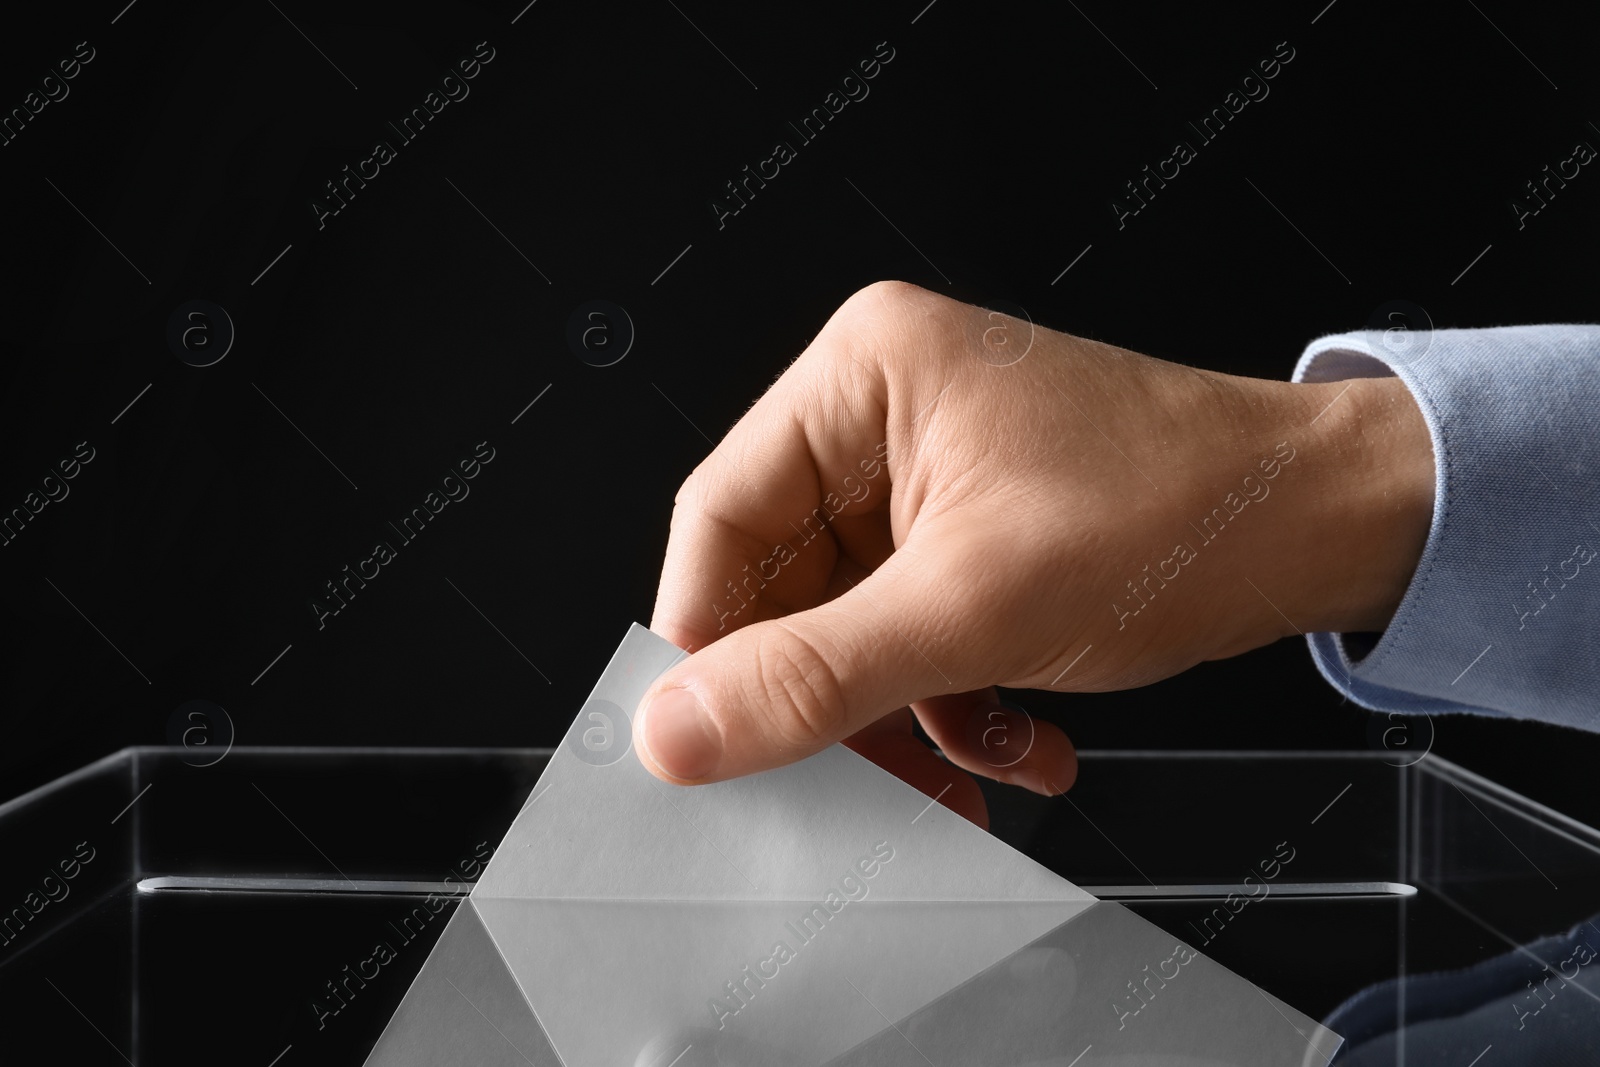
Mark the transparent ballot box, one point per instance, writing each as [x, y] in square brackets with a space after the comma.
[272, 906]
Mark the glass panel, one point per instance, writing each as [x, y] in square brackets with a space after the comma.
[239, 971]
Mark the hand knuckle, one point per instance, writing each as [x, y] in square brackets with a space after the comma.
[691, 493]
[876, 322]
[887, 292]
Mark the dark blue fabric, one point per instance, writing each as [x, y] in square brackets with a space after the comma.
[1539, 1004]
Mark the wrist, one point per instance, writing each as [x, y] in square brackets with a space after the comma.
[1370, 465]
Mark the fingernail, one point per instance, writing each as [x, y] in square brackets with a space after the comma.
[678, 736]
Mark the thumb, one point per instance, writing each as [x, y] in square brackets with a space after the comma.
[774, 692]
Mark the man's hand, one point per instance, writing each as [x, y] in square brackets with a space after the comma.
[936, 499]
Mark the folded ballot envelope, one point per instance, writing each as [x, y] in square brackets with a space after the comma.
[821, 913]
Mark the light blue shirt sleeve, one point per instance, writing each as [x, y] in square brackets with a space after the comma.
[1502, 616]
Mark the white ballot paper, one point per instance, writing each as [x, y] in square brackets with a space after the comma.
[821, 913]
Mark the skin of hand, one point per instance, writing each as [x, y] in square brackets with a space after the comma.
[935, 499]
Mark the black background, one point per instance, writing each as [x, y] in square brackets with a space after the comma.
[410, 326]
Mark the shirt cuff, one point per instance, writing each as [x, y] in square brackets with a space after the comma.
[1501, 613]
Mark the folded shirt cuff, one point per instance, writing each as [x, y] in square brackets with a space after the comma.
[1501, 613]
